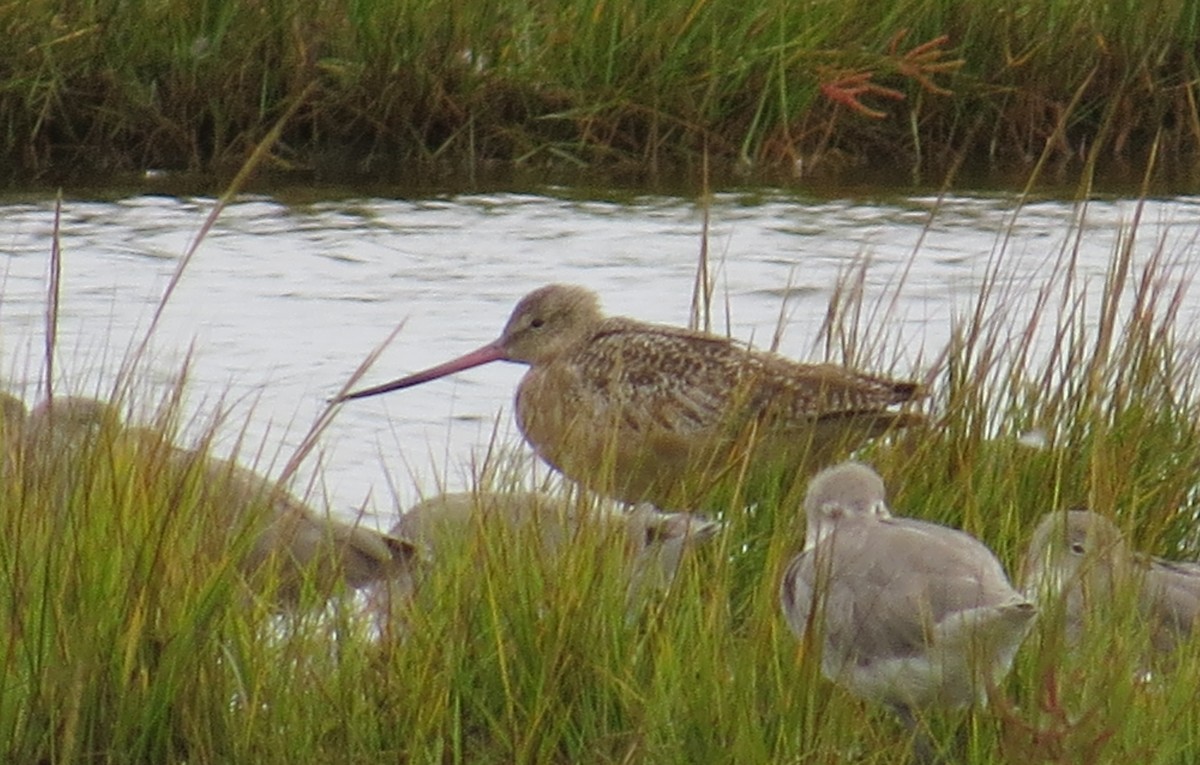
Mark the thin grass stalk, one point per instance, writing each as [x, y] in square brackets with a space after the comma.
[53, 293]
[701, 313]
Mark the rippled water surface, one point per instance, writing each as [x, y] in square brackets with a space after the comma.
[282, 301]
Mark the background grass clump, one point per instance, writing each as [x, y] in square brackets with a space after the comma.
[385, 85]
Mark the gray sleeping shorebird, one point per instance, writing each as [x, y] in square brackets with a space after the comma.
[646, 412]
[651, 543]
[907, 613]
[646, 533]
[1083, 559]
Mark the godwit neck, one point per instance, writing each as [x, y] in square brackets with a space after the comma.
[549, 322]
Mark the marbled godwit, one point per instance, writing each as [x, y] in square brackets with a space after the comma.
[644, 412]
[449, 525]
[907, 613]
[1081, 560]
[271, 529]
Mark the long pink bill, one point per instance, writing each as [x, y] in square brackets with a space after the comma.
[485, 355]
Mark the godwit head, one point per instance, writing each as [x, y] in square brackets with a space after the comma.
[645, 412]
[545, 324]
[908, 613]
[549, 322]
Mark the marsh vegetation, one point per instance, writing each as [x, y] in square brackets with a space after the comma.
[126, 637]
[380, 86]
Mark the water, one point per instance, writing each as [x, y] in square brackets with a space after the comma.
[283, 301]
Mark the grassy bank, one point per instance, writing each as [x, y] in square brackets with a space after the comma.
[776, 86]
[126, 638]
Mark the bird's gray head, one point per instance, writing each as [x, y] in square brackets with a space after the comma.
[70, 422]
[850, 489]
[652, 526]
[1072, 549]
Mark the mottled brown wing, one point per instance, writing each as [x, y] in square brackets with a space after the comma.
[686, 382]
[794, 392]
[676, 380]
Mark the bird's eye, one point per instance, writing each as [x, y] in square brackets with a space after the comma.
[537, 323]
[1077, 548]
